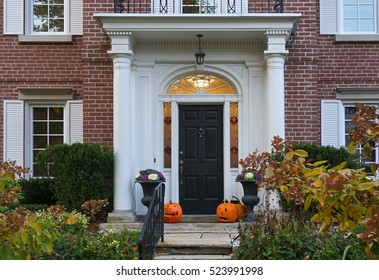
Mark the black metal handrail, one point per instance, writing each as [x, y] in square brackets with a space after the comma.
[153, 225]
[146, 6]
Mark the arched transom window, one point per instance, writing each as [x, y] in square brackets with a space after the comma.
[201, 84]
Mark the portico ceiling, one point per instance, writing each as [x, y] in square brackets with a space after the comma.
[184, 27]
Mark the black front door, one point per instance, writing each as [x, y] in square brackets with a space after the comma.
[201, 179]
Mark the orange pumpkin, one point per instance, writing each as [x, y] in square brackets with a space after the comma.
[242, 209]
[227, 212]
[172, 212]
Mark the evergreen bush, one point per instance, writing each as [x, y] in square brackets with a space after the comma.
[37, 191]
[333, 155]
[81, 171]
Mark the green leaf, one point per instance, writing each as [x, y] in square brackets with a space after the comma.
[352, 147]
[358, 229]
[38, 229]
[24, 236]
[318, 163]
[289, 156]
[316, 218]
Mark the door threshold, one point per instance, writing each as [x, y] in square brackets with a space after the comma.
[209, 218]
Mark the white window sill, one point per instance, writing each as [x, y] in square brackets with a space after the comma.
[357, 37]
[45, 38]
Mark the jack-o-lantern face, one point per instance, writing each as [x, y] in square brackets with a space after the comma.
[172, 212]
[227, 212]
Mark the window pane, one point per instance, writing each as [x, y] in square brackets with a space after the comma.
[167, 135]
[56, 1]
[55, 140]
[350, 1]
[56, 11]
[366, 11]
[56, 128]
[39, 113]
[351, 25]
[350, 11]
[40, 2]
[366, 25]
[56, 113]
[56, 25]
[40, 11]
[40, 128]
[40, 142]
[234, 135]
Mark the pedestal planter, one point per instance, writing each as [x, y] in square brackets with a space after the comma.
[148, 189]
[250, 197]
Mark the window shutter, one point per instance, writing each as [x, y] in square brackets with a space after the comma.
[75, 121]
[13, 17]
[14, 131]
[76, 17]
[328, 16]
[332, 123]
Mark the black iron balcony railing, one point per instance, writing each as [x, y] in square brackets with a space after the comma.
[163, 6]
[153, 225]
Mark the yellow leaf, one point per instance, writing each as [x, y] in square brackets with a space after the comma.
[283, 188]
[313, 172]
[340, 166]
[70, 220]
[308, 202]
[366, 186]
[301, 153]
[318, 163]
[289, 156]
[316, 218]
[318, 183]
[352, 147]
[269, 171]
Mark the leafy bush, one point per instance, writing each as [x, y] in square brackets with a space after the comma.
[82, 171]
[37, 191]
[271, 237]
[107, 245]
[333, 156]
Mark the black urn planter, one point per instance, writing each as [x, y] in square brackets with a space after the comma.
[250, 197]
[148, 188]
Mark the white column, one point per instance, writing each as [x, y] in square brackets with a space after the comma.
[122, 56]
[275, 56]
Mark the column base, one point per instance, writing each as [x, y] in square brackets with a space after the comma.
[121, 217]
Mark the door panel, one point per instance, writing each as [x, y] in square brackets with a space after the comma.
[201, 183]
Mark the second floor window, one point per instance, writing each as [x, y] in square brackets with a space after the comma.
[48, 16]
[200, 6]
[358, 16]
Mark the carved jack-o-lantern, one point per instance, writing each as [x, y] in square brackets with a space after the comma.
[242, 209]
[172, 212]
[227, 212]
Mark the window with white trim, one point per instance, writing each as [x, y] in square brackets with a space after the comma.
[47, 130]
[200, 7]
[336, 118]
[43, 17]
[349, 17]
[32, 125]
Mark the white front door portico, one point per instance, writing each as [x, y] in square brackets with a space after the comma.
[150, 53]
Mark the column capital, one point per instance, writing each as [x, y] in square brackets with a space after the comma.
[122, 42]
[276, 41]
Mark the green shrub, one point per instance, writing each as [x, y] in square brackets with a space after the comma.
[37, 191]
[107, 245]
[333, 155]
[82, 171]
[273, 237]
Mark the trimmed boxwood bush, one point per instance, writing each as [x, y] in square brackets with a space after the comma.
[37, 191]
[333, 155]
[81, 171]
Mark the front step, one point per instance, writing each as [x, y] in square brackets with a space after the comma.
[192, 257]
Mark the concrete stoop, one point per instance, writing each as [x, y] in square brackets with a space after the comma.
[193, 238]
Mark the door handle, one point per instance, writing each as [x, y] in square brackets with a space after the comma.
[181, 167]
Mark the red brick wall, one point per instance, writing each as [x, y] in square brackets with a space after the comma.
[316, 66]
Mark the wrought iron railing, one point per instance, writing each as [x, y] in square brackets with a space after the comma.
[153, 225]
[163, 6]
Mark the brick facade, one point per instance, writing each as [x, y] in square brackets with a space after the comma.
[315, 67]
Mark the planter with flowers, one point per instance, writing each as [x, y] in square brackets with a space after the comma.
[149, 179]
[249, 181]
